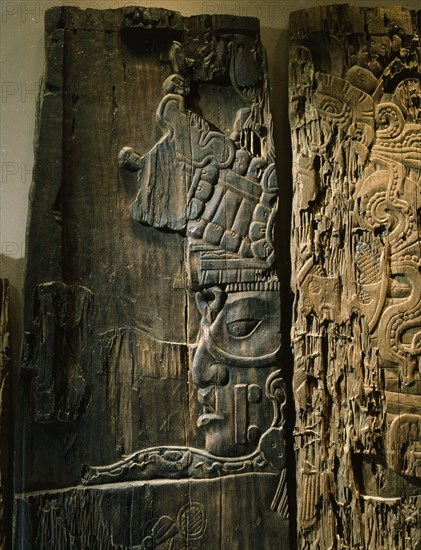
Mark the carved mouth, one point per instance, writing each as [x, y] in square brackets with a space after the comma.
[207, 398]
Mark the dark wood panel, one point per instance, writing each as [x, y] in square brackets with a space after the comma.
[150, 397]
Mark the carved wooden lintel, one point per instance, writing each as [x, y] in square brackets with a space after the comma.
[355, 112]
[151, 368]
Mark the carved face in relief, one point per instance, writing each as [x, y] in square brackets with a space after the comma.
[237, 351]
[246, 62]
[321, 294]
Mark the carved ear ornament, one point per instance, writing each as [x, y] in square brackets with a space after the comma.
[209, 308]
[272, 447]
[276, 391]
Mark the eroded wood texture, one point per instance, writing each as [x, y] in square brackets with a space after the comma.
[150, 396]
[355, 112]
[5, 416]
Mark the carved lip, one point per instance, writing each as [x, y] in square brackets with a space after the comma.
[207, 398]
[205, 419]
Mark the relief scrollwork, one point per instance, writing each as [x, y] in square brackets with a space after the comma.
[356, 123]
[387, 209]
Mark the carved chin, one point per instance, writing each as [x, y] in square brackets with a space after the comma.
[218, 441]
[220, 438]
[207, 418]
[213, 425]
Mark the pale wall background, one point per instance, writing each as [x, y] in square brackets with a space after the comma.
[22, 58]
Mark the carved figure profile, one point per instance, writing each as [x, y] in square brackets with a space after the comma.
[223, 198]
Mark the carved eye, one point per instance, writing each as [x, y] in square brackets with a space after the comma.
[314, 286]
[331, 107]
[305, 79]
[242, 327]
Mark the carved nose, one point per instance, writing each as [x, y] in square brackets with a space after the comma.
[206, 371]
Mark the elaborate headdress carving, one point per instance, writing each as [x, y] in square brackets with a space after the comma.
[221, 190]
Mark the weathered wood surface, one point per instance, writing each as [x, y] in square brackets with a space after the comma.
[355, 112]
[5, 417]
[152, 311]
[142, 515]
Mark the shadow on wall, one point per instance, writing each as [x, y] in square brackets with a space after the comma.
[276, 42]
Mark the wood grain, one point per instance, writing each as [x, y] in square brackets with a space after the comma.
[150, 397]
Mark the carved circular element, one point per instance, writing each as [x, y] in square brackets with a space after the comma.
[254, 393]
[253, 434]
[272, 446]
[191, 520]
[390, 120]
